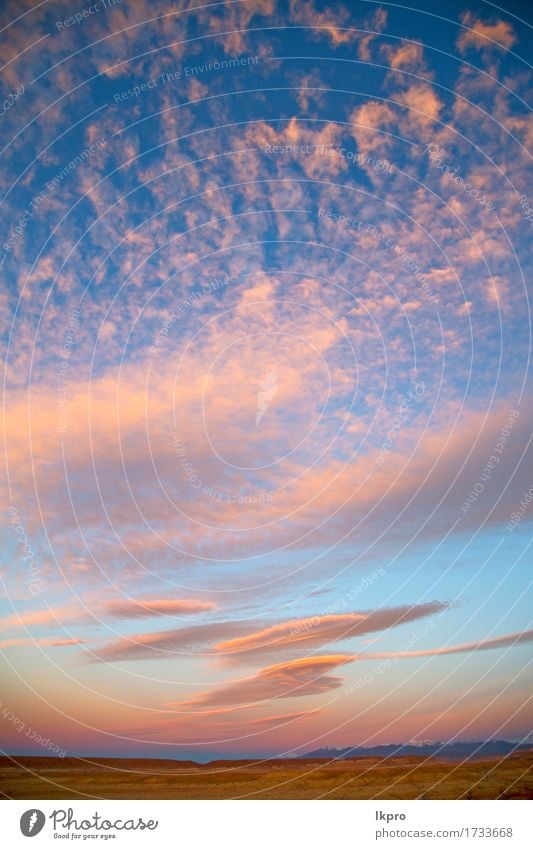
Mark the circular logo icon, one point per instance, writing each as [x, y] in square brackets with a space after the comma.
[32, 822]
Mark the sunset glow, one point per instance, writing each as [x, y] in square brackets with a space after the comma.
[267, 409]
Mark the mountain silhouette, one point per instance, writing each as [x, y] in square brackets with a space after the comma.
[448, 751]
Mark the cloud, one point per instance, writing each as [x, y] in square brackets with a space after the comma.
[376, 22]
[372, 123]
[320, 630]
[116, 608]
[309, 676]
[483, 36]
[53, 616]
[304, 677]
[241, 638]
[196, 639]
[28, 641]
[446, 460]
[326, 23]
[314, 147]
[145, 607]
[481, 645]
[235, 21]
[409, 55]
[424, 104]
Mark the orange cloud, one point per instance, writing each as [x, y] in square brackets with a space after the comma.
[318, 630]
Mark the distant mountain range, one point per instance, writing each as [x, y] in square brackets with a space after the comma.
[447, 751]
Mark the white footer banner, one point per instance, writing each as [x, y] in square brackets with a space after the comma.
[247, 824]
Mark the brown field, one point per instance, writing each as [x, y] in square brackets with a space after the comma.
[396, 778]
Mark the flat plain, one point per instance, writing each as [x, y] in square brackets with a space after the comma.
[358, 778]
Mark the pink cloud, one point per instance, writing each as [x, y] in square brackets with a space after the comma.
[195, 639]
[56, 616]
[304, 677]
[310, 675]
[481, 645]
[409, 55]
[28, 641]
[144, 607]
[328, 23]
[423, 103]
[480, 35]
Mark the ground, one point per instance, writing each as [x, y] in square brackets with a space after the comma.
[372, 778]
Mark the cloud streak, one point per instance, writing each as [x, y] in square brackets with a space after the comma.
[506, 641]
[241, 641]
[321, 630]
[143, 608]
[304, 677]
[310, 676]
[157, 645]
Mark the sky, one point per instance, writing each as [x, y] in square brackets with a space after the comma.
[267, 481]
